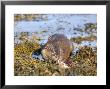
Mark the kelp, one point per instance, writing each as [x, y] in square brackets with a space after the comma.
[85, 62]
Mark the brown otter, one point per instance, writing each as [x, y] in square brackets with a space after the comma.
[58, 48]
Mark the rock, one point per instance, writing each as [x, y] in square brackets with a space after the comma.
[58, 48]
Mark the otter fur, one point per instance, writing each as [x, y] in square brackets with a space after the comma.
[58, 48]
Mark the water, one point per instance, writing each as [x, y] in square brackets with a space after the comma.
[89, 43]
[68, 24]
[58, 23]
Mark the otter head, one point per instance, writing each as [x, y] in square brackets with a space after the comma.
[45, 53]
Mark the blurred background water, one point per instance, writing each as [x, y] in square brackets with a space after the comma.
[49, 24]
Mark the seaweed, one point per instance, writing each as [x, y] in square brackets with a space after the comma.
[85, 63]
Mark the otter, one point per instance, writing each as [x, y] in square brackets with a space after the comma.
[58, 48]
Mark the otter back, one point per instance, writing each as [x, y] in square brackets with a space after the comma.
[58, 48]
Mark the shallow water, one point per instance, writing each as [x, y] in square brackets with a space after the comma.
[58, 23]
[89, 43]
